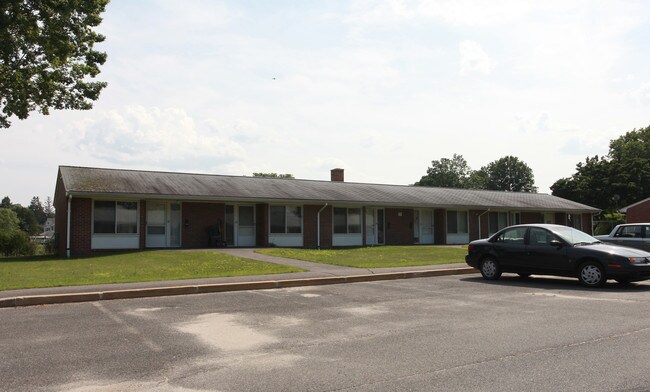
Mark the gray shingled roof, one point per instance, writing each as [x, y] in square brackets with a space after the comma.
[94, 181]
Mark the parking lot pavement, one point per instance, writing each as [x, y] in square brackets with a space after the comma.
[451, 333]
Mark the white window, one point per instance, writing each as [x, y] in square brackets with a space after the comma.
[347, 220]
[285, 219]
[115, 217]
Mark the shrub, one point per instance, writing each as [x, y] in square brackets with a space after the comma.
[16, 243]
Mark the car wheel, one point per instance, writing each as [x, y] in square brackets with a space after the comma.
[523, 275]
[490, 269]
[591, 274]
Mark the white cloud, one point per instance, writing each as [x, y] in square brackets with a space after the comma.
[165, 138]
[474, 59]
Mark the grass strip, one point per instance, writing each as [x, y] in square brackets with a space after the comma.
[145, 266]
[376, 257]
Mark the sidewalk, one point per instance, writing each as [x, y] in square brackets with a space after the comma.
[316, 274]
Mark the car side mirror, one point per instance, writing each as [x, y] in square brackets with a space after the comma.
[556, 243]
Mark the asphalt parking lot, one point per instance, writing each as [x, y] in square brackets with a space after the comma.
[451, 333]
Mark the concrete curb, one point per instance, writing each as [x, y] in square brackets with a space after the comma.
[51, 299]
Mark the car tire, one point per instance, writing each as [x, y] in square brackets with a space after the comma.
[591, 274]
[490, 269]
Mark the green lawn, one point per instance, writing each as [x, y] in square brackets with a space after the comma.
[146, 266]
[376, 257]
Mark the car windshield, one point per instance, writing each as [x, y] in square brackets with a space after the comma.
[575, 237]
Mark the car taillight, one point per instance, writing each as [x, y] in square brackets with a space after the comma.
[469, 248]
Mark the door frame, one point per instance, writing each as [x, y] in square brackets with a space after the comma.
[168, 224]
[236, 226]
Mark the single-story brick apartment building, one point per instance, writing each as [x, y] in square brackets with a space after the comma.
[108, 209]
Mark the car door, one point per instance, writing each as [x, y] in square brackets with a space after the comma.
[631, 236]
[510, 248]
[543, 254]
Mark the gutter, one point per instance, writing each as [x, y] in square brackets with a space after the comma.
[479, 222]
[318, 224]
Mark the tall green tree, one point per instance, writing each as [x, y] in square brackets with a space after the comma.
[508, 174]
[47, 56]
[49, 207]
[620, 178]
[6, 202]
[447, 173]
[39, 211]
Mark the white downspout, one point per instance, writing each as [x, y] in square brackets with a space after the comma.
[67, 237]
[318, 224]
[479, 223]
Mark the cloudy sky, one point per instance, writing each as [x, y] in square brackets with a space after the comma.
[379, 88]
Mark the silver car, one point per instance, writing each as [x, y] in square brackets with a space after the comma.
[633, 235]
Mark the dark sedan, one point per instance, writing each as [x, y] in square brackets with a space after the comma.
[556, 250]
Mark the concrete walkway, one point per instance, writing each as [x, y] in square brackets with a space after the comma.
[316, 273]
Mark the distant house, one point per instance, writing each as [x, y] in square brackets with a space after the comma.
[48, 228]
[110, 209]
[638, 212]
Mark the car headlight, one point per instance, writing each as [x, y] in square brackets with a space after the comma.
[638, 260]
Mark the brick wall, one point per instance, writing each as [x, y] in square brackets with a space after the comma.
[440, 226]
[81, 226]
[532, 217]
[310, 230]
[399, 226]
[197, 218]
[262, 224]
[640, 213]
[560, 218]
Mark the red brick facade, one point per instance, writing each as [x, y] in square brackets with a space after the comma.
[198, 217]
[638, 213]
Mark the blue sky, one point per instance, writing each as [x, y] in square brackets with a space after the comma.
[379, 88]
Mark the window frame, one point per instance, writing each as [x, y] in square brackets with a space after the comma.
[117, 222]
[286, 219]
[348, 224]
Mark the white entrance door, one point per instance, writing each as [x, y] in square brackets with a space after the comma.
[374, 226]
[245, 226]
[426, 226]
[163, 225]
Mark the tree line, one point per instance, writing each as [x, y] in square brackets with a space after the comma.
[505, 174]
[17, 223]
[609, 182]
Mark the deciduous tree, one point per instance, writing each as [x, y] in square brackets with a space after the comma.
[447, 173]
[620, 178]
[47, 55]
[509, 174]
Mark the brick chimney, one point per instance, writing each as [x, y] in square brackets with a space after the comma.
[337, 175]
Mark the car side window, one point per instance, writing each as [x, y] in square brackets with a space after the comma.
[540, 237]
[512, 236]
[646, 231]
[630, 232]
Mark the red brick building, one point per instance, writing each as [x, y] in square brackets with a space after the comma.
[638, 212]
[109, 209]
